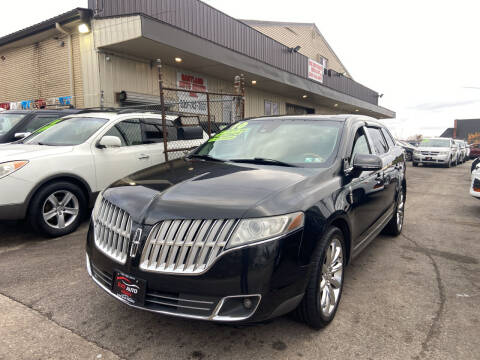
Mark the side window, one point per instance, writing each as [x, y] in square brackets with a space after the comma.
[131, 131]
[39, 121]
[378, 141]
[360, 144]
[153, 131]
[388, 137]
[115, 132]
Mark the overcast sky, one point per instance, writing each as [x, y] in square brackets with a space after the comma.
[424, 56]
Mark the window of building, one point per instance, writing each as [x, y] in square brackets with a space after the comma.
[271, 108]
[322, 60]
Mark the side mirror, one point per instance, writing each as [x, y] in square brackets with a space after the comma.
[22, 135]
[367, 162]
[109, 142]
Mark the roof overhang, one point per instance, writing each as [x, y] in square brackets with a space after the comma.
[46, 29]
[148, 38]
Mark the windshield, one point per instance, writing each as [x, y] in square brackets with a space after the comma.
[307, 143]
[69, 131]
[8, 121]
[435, 143]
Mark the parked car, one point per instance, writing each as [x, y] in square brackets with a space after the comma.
[18, 124]
[475, 151]
[467, 150]
[260, 220]
[442, 151]
[463, 148]
[54, 175]
[475, 186]
[408, 148]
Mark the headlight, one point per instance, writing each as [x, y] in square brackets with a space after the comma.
[96, 208]
[443, 152]
[10, 167]
[255, 230]
[416, 152]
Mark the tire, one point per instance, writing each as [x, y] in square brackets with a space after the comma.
[49, 201]
[415, 164]
[310, 309]
[395, 225]
[449, 164]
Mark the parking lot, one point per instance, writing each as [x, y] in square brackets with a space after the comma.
[411, 297]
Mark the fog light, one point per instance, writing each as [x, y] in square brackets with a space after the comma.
[247, 303]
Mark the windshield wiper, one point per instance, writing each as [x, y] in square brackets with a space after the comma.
[204, 157]
[263, 161]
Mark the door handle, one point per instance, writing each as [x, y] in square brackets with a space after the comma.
[144, 157]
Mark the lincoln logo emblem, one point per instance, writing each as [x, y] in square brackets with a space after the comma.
[135, 243]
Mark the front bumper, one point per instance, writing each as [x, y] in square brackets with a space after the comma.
[431, 159]
[13, 211]
[268, 274]
[14, 193]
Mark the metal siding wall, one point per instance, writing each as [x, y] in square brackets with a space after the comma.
[206, 22]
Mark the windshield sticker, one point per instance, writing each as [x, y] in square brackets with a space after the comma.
[230, 133]
[42, 129]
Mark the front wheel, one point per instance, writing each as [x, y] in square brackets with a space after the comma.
[324, 290]
[57, 209]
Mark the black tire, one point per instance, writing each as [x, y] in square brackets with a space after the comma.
[449, 164]
[415, 164]
[309, 310]
[39, 202]
[395, 226]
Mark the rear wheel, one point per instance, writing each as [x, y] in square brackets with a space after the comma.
[415, 164]
[57, 209]
[395, 226]
[324, 290]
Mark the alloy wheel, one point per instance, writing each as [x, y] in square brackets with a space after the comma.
[400, 210]
[60, 209]
[332, 277]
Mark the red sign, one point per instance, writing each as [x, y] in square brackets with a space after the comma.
[315, 71]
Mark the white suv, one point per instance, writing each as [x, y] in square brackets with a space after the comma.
[442, 151]
[53, 176]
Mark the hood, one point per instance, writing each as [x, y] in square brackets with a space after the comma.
[196, 189]
[10, 152]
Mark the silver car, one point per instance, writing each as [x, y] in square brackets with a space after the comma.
[440, 151]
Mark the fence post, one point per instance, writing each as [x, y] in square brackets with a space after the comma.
[208, 116]
[162, 104]
[242, 90]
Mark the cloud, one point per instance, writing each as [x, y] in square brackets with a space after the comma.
[438, 105]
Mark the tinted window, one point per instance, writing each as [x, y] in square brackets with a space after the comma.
[389, 138]
[39, 121]
[115, 132]
[131, 131]
[378, 141]
[153, 131]
[360, 145]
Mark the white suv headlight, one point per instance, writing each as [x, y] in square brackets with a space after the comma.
[255, 230]
[10, 167]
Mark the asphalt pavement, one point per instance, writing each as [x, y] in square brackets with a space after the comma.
[416, 296]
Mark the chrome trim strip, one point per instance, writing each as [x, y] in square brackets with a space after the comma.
[176, 305]
[196, 317]
[178, 299]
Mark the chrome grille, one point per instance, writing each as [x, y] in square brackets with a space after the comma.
[112, 227]
[185, 246]
[430, 152]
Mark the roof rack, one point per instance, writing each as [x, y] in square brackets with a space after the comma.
[98, 109]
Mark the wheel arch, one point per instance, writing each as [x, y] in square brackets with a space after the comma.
[341, 222]
[75, 179]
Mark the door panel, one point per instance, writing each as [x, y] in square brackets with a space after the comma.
[112, 164]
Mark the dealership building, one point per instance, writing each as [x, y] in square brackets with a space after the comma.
[106, 55]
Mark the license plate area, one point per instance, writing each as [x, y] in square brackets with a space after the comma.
[129, 288]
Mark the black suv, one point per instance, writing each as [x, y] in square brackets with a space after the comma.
[17, 124]
[258, 221]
